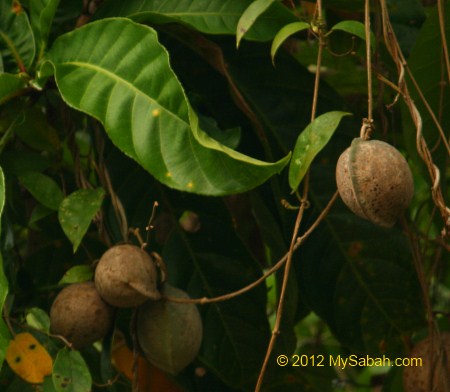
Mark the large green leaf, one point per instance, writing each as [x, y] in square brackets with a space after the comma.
[17, 44]
[211, 17]
[9, 86]
[116, 71]
[70, 372]
[42, 13]
[76, 212]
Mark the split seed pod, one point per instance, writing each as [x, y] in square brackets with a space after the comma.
[374, 181]
[126, 276]
[169, 333]
[80, 315]
[435, 360]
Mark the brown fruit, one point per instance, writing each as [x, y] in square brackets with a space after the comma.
[374, 181]
[169, 333]
[80, 315]
[418, 378]
[126, 276]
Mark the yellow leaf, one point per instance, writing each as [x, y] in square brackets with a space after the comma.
[28, 358]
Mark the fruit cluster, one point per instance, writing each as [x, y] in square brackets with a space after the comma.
[169, 333]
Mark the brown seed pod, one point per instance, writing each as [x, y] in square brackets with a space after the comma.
[80, 315]
[435, 359]
[169, 333]
[126, 276]
[374, 181]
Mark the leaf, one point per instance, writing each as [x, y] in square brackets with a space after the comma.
[44, 189]
[9, 86]
[280, 96]
[42, 13]
[310, 142]
[211, 263]
[284, 33]
[150, 378]
[28, 358]
[77, 211]
[38, 319]
[228, 137]
[358, 277]
[218, 17]
[355, 28]
[70, 372]
[144, 109]
[249, 16]
[77, 274]
[17, 45]
[36, 132]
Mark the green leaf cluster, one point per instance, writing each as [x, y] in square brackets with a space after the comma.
[184, 127]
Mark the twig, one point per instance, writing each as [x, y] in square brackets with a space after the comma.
[422, 148]
[368, 62]
[135, 367]
[287, 268]
[150, 226]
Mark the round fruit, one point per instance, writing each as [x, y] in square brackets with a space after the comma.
[169, 333]
[435, 359]
[374, 181]
[80, 315]
[126, 276]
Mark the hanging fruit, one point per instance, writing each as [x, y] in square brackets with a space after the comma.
[374, 181]
[432, 373]
[169, 333]
[80, 315]
[126, 276]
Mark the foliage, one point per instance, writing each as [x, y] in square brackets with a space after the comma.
[204, 127]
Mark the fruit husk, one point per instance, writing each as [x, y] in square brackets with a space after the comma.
[374, 181]
[80, 315]
[436, 359]
[126, 276]
[169, 333]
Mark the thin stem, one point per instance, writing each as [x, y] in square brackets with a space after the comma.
[429, 109]
[393, 47]
[368, 62]
[317, 77]
[14, 52]
[287, 268]
[319, 9]
[440, 7]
